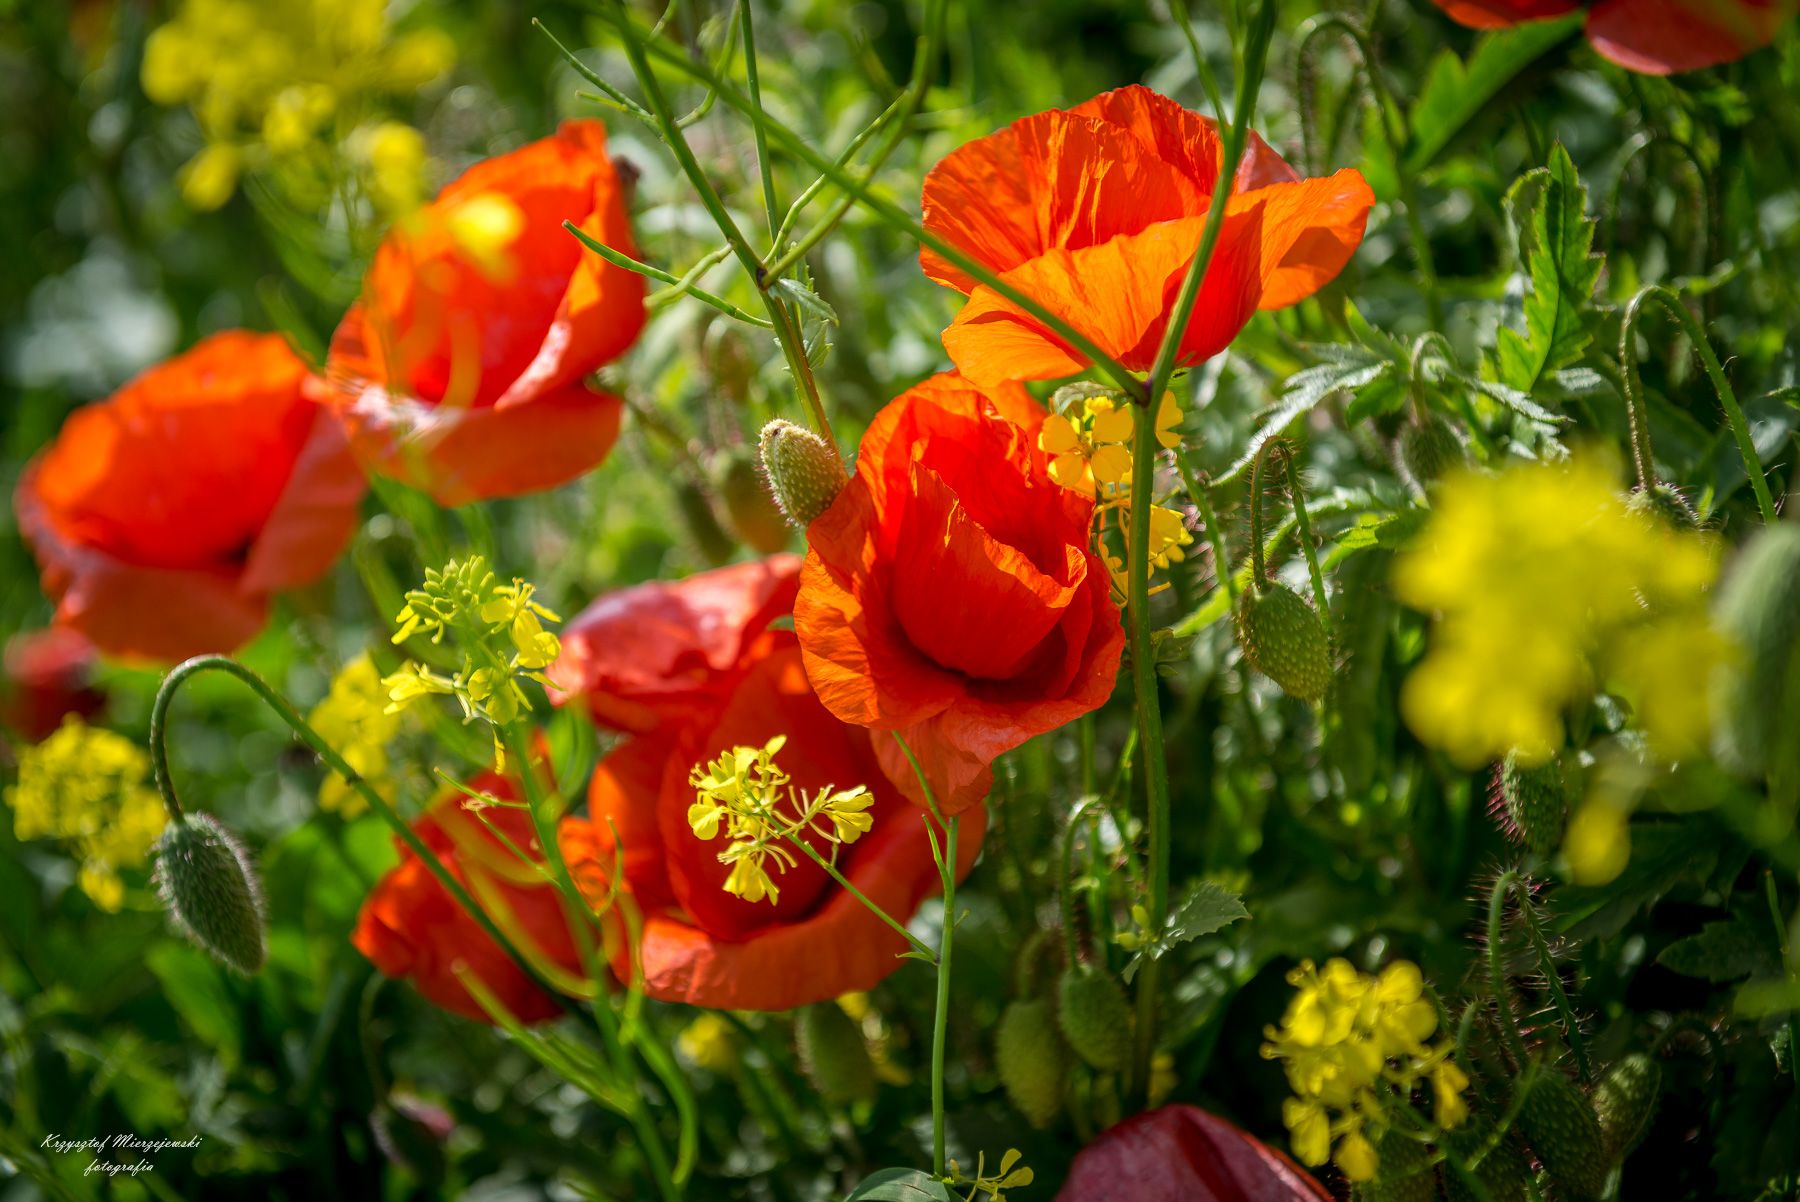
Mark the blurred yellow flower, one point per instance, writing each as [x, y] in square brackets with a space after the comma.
[1545, 587]
[356, 720]
[91, 789]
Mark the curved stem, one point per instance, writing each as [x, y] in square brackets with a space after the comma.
[1303, 533]
[285, 710]
[1547, 966]
[1259, 487]
[753, 84]
[1209, 522]
[1496, 932]
[918, 945]
[1715, 372]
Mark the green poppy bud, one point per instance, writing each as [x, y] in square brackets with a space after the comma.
[1665, 502]
[834, 1054]
[749, 508]
[1428, 448]
[1283, 639]
[207, 881]
[1564, 1132]
[1032, 1059]
[1757, 694]
[1095, 1017]
[1625, 1102]
[1532, 802]
[804, 472]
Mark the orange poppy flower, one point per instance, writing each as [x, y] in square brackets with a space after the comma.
[164, 517]
[410, 927]
[700, 944]
[461, 369]
[1096, 212]
[49, 675]
[1651, 37]
[950, 592]
[1184, 1154]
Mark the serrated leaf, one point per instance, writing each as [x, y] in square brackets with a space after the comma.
[899, 1185]
[1455, 92]
[1210, 907]
[1305, 390]
[807, 299]
[1721, 951]
[1548, 207]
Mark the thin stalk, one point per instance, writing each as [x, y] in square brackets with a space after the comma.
[1209, 523]
[1565, 1009]
[812, 190]
[1715, 372]
[941, 1019]
[753, 83]
[159, 762]
[918, 945]
[1496, 931]
[678, 284]
[1303, 533]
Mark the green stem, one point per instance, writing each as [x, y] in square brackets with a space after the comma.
[1564, 1008]
[941, 1018]
[919, 945]
[753, 83]
[677, 283]
[1303, 534]
[1496, 934]
[1209, 522]
[1715, 372]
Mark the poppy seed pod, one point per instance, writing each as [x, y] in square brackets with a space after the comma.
[834, 1054]
[805, 475]
[1031, 1056]
[207, 881]
[1095, 1017]
[1404, 1173]
[1283, 639]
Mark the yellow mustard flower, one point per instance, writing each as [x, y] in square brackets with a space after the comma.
[356, 718]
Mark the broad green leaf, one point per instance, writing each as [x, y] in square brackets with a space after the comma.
[899, 1185]
[1555, 236]
[1350, 370]
[1455, 92]
[1210, 907]
[1722, 951]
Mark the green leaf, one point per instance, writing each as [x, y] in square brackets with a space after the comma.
[1455, 93]
[899, 1185]
[1555, 236]
[807, 299]
[1349, 369]
[1722, 951]
[1209, 908]
[200, 992]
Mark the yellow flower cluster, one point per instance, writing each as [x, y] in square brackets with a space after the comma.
[1089, 443]
[741, 793]
[1546, 587]
[355, 718]
[90, 788]
[1352, 1046]
[279, 84]
[498, 627]
[1011, 1175]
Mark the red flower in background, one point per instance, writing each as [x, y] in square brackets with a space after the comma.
[164, 517]
[461, 369]
[1096, 212]
[48, 677]
[1184, 1154]
[1653, 37]
[724, 679]
[950, 592]
[410, 927]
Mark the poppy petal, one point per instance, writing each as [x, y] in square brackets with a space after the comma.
[1184, 1154]
[1661, 37]
[1499, 14]
[1310, 229]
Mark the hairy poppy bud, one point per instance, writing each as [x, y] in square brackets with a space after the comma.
[1625, 1102]
[702, 523]
[1666, 502]
[1283, 639]
[749, 508]
[804, 473]
[1031, 1057]
[1535, 800]
[1562, 1129]
[834, 1055]
[206, 879]
[1095, 1017]
[1403, 1172]
[1759, 609]
[1428, 448]
[1505, 1172]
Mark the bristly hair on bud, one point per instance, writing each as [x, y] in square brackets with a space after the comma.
[805, 474]
[206, 879]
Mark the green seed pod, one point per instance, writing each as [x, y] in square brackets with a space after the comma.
[1095, 1017]
[1504, 1172]
[804, 473]
[207, 882]
[749, 508]
[1402, 1172]
[1535, 799]
[1428, 448]
[1755, 697]
[834, 1054]
[1283, 639]
[1562, 1130]
[1625, 1102]
[697, 514]
[1032, 1059]
[1664, 502]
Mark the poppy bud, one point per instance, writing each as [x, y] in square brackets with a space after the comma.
[749, 509]
[1625, 1102]
[834, 1055]
[1666, 502]
[1403, 1173]
[206, 879]
[1095, 1017]
[1562, 1129]
[1283, 639]
[1505, 1172]
[804, 473]
[727, 360]
[1532, 801]
[1428, 448]
[702, 523]
[1759, 609]
[1031, 1057]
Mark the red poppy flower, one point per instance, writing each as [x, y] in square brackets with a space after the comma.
[48, 677]
[1184, 1154]
[411, 927]
[950, 592]
[1096, 212]
[461, 370]
[164, 517]
[700, 944]
[1652, 37]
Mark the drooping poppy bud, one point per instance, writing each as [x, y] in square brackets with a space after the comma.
[1564, 1133]
[1283, 639]
[1759, 609]
[1428, 448]
[210, 886]
[805, 475]
[1664, 501]
[834, 1054]
[1625, 1102]
[1095, 1017]
[1534, 800]
[1504, 1172]
[1031, 1057]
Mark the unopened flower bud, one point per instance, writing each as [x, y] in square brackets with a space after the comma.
[1532, 801]
[1429, 448]
[1625, 1102]
[805, 474]
[1758, 692]
[750, 510]
[1095, 1017]
[1283, 639]
[1031, 1057]
[834, 1054]
[1666, 502]
[207, 881]
[1559, 1122]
